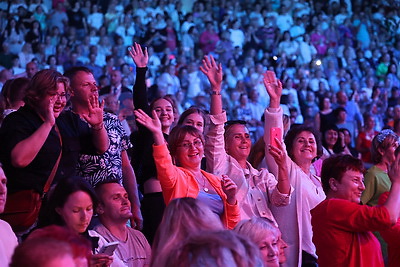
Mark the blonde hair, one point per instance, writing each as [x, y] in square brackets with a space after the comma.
[215, 248]
[182, 217]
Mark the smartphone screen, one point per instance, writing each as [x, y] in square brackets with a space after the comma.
[275, 132]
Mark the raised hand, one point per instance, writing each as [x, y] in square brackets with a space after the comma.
[278, 153]
[274, 88]
[95, 116]
[49, 112]
[229, 188]
[153, 124]
[213, 71]
[139, 55]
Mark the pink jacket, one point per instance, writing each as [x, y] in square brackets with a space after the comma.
[177, 182]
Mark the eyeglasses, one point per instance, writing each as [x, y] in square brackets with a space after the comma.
[187, 145]
[58, 95]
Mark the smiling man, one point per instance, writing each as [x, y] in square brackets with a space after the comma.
[342, 227]
[114, 211]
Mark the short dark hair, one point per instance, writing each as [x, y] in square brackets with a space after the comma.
[71, 72]
[336, 165]
[294, 131]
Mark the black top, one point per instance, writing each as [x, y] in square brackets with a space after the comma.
[142, 140]
[19, 125]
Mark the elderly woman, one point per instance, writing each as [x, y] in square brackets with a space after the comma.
[265, 235]
[186, 145]
[227, 151]
[303, 147]
[178, 224]
[39, 135]
[377, 180]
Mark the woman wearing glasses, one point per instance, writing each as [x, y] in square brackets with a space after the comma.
[186, 179]
[33, 138]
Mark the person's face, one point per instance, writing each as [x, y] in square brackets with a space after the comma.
[190, 152]
[350, 187]
[58, 99]
[331, 137]
[269, 250]
[370, 123]
[83, 87]
[115, 204]
[77, 211]
[304, 147]
[341, 98]
[342, 116]
[3, 190]
[116, 78]
[31, 69]
[238, 142]
[195, 120]
[347, 137]
[389, 154]
[281, 245]
[327, 103]
[165, 112]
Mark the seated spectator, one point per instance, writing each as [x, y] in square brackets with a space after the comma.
[53, 246]
[342, 227]
[221, 248]
[71, 205]
[31, 69]
[265, 235]
[178, 223]
[8, 240]
[114, 210]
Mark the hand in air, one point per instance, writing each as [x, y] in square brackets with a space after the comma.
[139, 55]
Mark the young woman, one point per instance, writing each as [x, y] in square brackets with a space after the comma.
[142, 159]
[71, 205]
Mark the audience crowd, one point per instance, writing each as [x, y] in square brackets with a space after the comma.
[200, 133]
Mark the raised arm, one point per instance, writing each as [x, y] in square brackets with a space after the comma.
[95, 119]
[152, 124]
[140, 57]
[214, 75]
[273, 117]
[214, 151]
[393, 202]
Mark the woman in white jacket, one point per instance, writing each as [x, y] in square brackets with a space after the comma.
[303, 146]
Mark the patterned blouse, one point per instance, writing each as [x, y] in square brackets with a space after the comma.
[108, 166]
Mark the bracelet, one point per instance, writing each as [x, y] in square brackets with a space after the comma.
[215, 93]
[98, 127]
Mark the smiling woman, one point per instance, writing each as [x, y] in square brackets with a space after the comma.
[41, 140]
[186, 145]
[303, 146]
